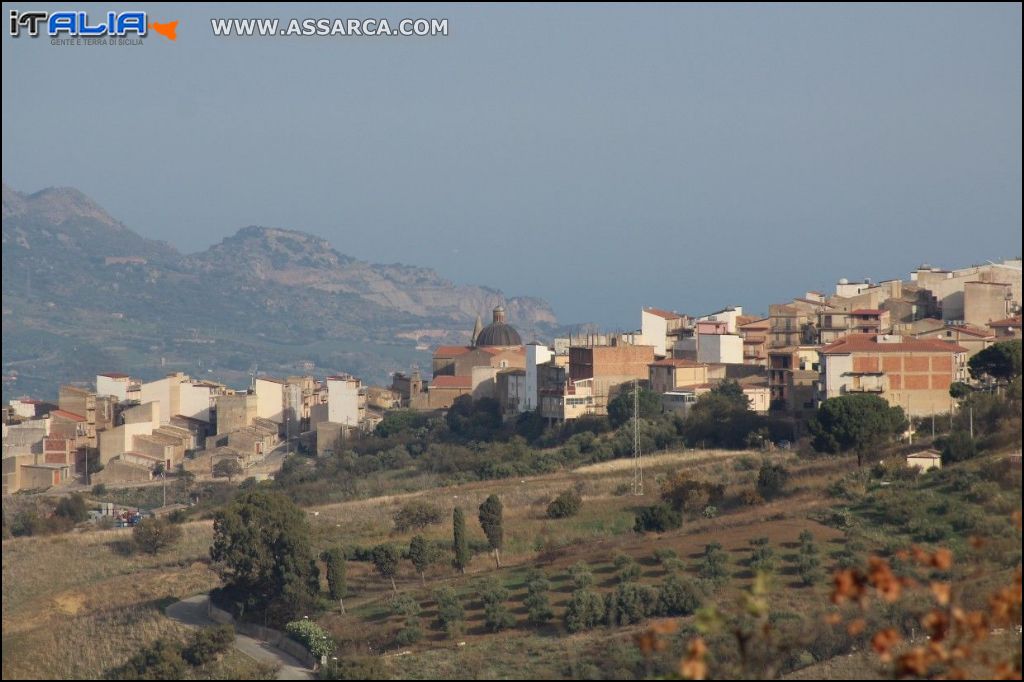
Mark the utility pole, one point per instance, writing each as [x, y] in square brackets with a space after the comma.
[971, 412]
[638, 467]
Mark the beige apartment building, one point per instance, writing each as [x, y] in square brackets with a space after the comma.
[914, 374]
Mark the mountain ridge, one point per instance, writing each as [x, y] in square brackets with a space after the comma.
[74, 276]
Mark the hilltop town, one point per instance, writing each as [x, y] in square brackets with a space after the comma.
[907, 341]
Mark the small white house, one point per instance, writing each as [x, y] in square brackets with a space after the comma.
[925, 460]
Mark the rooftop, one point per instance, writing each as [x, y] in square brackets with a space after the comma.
[676, 362]
[664, 313]
[868, 343]
[64, 414]
[1008, 322]
[450, 351]
[445, 381]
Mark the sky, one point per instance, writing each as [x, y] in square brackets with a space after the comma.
[600, 157]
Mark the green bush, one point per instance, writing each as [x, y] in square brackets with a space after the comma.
[409, 634]
[450, 613]
[161, 660]
[355, 668]
[663, 555]
[584, 611]
[762, 556]
[208, 644]
[72, 508]
[416, 515]
[677, 597]
[153, 535]
[627, 567]
[404, 605]
[658, 518]
[771, 480]
[958, 446]
[567, 504]
[310, 635]
[630, 603]
[538, 607]
[582, 576]
[713, 565]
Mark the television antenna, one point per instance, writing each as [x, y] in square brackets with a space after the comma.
[638, 464]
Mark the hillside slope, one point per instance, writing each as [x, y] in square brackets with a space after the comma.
[83, 293]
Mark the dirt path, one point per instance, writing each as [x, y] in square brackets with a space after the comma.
[193, 611]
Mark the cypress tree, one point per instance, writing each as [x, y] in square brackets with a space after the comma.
[491, 522]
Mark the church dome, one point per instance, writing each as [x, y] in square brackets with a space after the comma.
[498, 333]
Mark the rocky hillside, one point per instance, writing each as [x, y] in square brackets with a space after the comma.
[84, 293]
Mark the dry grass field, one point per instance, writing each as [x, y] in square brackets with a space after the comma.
[83, 596]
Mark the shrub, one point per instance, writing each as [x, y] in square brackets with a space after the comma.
[627, 567]
[582, 577]
[99, 490]
[663, 555]
[762, 556]
[771, 479]
[310, 635]
[449, 610]
[153, 535]
[416, 515]
[584, 611]
[677, 597]
[72, 508]
[714, 564]
[404, 605]
[409, 634]
[958, 447]
[567, 504]
[208, 644]
[657, 518]
[630, 603]
[538, 608]
[684, 493]
[750, 497]
[355, 668]
[709, 512]
[161, 660]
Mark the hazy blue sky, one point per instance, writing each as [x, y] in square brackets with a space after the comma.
[601, 157]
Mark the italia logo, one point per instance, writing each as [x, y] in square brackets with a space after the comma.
[79, 24]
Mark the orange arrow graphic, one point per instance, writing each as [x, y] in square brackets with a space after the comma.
[168, 30]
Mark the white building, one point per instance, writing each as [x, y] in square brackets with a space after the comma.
[536, 354]
[726, 315]
[166, 392]
[24, 407]
[113, 383]
[720, 348]
[270, 398]
[196, 400]
[343, 400]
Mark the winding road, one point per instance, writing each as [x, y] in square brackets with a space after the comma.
[193, 611]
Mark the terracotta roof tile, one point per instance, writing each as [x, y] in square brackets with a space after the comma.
[868, 343]
[1008, 322]
[446, 381]
[64, 414]
[450, 351]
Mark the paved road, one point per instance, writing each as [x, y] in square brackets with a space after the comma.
[192, 611]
